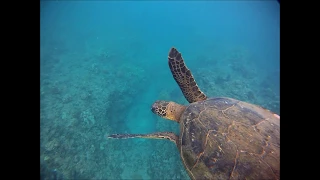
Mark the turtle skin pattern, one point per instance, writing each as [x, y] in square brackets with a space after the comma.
[184, 78]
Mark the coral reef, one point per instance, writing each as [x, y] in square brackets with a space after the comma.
[79, 104]
[85, 96]
[87, 117]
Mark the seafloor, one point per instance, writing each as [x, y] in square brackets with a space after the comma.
[88, 93]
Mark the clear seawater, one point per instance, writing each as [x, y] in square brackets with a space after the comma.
[104, 63]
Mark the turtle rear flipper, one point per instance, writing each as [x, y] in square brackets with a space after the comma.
[158, 135]
[184, 78]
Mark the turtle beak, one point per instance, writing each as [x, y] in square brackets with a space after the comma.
[153, 108]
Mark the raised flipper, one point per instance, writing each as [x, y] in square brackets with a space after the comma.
[158, 135]
[184, 78]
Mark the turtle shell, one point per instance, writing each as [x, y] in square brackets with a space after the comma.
[224, 138]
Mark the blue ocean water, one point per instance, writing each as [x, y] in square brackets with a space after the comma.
[103, 64]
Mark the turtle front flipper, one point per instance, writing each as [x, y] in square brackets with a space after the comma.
[158, 135]
[184, 78]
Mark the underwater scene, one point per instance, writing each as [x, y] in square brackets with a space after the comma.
[104, 63]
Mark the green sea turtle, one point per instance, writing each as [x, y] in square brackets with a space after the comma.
[221, 137]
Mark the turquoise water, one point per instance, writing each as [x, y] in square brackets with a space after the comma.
[103, 64]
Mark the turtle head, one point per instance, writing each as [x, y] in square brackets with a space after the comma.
[168, 110]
